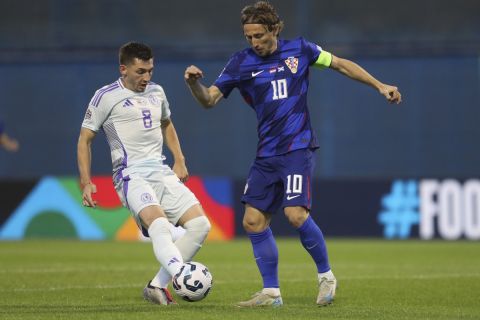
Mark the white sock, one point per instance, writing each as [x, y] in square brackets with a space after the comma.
[165, 250]
[161, 279]
[274, 292]
[177, 232]
[329, 275]
[196, 232]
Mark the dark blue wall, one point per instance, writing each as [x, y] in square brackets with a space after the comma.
[54, 55]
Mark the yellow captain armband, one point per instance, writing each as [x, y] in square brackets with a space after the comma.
[324, 60]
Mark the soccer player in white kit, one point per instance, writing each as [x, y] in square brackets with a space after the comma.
[135, 115]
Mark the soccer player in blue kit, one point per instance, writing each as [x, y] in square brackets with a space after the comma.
[272, 77]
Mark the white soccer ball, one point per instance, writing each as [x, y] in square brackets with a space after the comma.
[193, 282]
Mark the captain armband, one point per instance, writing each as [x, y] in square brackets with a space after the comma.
[324, 60]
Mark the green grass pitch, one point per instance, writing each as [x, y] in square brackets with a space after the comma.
[43, 279]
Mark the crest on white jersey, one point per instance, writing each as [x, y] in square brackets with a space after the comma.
[153, 99]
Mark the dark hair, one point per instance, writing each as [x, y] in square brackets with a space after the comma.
[132, 50]
[261, 12]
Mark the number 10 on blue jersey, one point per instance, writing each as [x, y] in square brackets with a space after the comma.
[279, 89]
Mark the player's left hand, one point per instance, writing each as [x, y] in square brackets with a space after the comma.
[391, 93]
[181, 171]
[87, 198]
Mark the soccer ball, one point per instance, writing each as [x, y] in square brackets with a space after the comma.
[192, 282]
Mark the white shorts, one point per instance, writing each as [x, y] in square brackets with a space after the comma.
[138, 190]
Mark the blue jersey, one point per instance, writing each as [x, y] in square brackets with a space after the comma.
[276, 88]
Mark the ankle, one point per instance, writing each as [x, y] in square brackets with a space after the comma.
[274, 292]
[328, 275]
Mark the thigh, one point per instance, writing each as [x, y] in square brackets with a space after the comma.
[136, 194]
[177, 200]
[193, 212]
[148, 214]
[296, 174]
[263, 187]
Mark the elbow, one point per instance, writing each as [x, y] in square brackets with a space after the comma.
[209, 104]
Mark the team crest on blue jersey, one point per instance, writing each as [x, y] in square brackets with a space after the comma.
[146, 198]
[292, 64]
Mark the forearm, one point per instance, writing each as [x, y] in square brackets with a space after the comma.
[356, 72]
[173, 143]
[84, 159]
[201, 94]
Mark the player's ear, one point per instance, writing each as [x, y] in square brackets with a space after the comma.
[123, 70]
[276, 30]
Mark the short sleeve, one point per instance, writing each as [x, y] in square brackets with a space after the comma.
[311, 51]
[229, 77]
[166, 113]
[95, 116]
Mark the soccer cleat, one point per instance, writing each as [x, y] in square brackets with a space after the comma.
[326, 291]
[260, 299]
[157, 295]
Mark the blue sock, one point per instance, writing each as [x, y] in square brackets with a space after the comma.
[312, 240]
[266, 255]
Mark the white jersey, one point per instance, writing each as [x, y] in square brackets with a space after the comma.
[132, 124]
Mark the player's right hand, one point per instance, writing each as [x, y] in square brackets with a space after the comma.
[391, 93]
[193, 74]
[87, 198]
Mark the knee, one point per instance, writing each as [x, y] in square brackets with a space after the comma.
[253, 225]
[200, 224]
[206, 226]
[296, 216]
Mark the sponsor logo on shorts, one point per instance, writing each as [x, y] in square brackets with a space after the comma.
[146, 198]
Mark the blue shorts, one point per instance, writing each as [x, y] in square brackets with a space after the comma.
[280, 181]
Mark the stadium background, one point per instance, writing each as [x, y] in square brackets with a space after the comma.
[383, 171]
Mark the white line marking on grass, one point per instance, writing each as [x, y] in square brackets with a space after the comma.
[88, 269]
[289, 280]
[60, 288]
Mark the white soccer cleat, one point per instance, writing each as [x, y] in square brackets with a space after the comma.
[326, 291]
[157, 295]
[261, 299]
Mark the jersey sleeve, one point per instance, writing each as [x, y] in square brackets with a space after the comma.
[95, 116]
[229, 77]
[317, 57]
[311, 50]
[166, 113]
